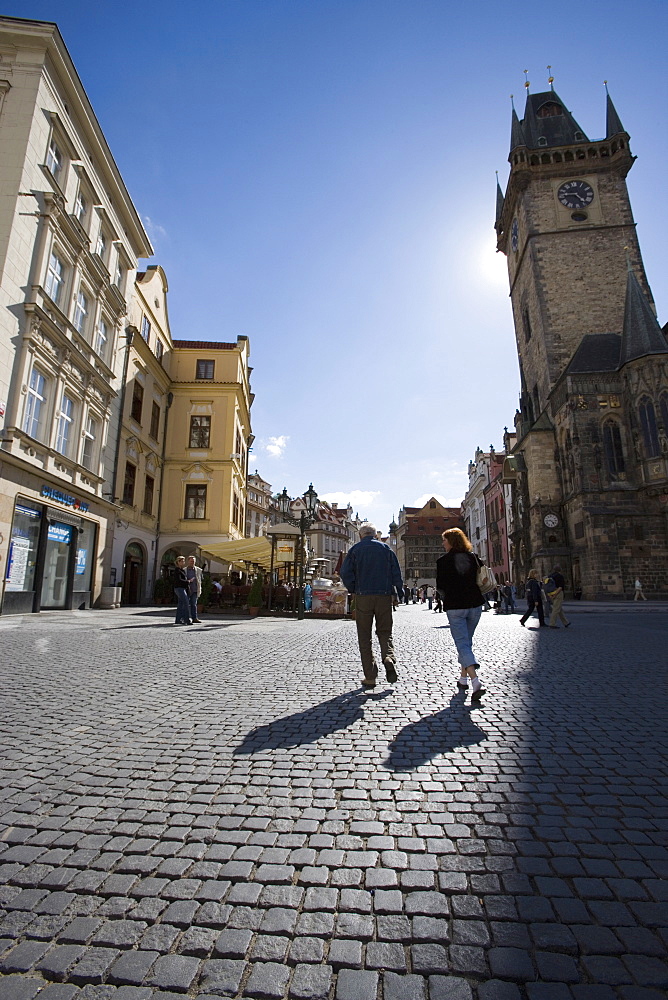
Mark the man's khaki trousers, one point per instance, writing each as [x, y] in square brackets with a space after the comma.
[368, 607]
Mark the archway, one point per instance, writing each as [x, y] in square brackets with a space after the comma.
[133, 573]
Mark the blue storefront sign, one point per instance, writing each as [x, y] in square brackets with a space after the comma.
[60, 533]
[68, 501]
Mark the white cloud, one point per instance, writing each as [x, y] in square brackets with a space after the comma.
[154, 230]
[356, 498]
[276, 445]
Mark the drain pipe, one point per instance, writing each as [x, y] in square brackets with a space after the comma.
[170, 400]
[129, 336]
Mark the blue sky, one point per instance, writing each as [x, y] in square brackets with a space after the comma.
[318, 175]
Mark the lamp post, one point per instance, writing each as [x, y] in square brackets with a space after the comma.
[308, 515]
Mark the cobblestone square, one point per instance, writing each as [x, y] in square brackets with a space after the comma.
[223, 811]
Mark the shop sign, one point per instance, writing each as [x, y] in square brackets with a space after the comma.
[60, 533]
[285, 550]
[19, 551]
[82, 555]
[64, 498]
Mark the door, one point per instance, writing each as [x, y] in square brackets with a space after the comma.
[133, 574]
[57, 565]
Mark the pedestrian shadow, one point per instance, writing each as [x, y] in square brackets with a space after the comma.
[310, 725]
[445, 731]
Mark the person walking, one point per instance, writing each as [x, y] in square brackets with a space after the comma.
[556, 594]
[456, 573]
[508, 597]
[181, 591]
[194, 575]
[534, 596]
[638, 596]
[371, 572]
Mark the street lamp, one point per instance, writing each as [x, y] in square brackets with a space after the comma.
[308, 515]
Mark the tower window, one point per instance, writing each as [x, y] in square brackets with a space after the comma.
[542, 141]
[549, 110]
[614, 453]
[527, 324]
[579, 136]
[648, 424]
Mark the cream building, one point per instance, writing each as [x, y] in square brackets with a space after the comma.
[70, 238]
[140, 446]
[474, 511]
[258, 505]
[206, 456]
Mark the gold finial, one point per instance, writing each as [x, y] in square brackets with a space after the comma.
[527, 82]
[605, 84]
[550, 78]
[627, 251]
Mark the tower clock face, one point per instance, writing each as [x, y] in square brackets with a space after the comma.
[575, 194]
[551, 520]
[515, 235]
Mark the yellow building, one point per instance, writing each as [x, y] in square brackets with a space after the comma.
[206, 454]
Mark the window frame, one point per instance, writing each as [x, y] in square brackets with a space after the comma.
[613, 449]
[54, 277]
[66, 415]
[137, 403]
[34, 409]
[195, 499]
[156, 413]
[200, 433]
[129, 483]
[650, 433]
[146, 507]
[89, 443]
[54, 155]
[145, 331]
[80, 315]
[202, 366]
[102, 341]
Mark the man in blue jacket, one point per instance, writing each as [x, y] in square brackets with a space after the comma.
[371, 572]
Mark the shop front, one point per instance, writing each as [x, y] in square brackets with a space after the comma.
[51, 557]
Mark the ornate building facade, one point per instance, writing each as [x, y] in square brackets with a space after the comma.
[589, 469]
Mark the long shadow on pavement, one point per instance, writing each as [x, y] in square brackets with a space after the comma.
[308, 726]
[421, 741]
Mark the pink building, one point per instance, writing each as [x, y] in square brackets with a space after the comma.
[497, 538]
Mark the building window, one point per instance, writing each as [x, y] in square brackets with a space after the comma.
[648, 424]
[80, 312]
[204, 369]
[101, 338]
[35, 402]
[195, 503]
[155, 421]
[54, 278]
[64, 425]
[200, 432]
[614, 453]
[527, 324]
[664, 411]
[129, 484]
[101, 245]
[118, 276]
[159, 349]
[148, 495]
[54, 159]
[137, 401]
[80, 207]
[145, 329]
[236, 511]
[89, 436]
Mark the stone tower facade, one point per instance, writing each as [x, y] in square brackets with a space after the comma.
[590, 465]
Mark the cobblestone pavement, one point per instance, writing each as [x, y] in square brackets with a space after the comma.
[222, 811]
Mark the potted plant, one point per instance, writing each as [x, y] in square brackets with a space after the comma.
[255, 596]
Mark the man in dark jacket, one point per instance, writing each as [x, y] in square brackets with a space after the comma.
[371, 572]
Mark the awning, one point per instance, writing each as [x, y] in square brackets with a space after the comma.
[255, 550]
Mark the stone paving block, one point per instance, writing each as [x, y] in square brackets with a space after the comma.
[197, 941]
[267, 980]
[321, 899]
[92, 967]
[306, 950]
[429, 959]
[553, 967]
[80, 930]
[181, 913]
[174, 972]
[449, 988]
[24, 956]
[404, 987]
[647, 971]
[605, 970]
[269, 948]
[354, 985]
[59, 960]
[311, 982]
[315, 924]
[160, 938]
[354, 925]
[497, 989]
[427, 904]
[222, 976]
[345, 954]
[132, 967]
[19, 988]
[511, 963]
[232, 943]
[385, 955]
[63, 991]
[548, 991]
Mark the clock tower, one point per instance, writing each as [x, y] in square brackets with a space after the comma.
[589, 476]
